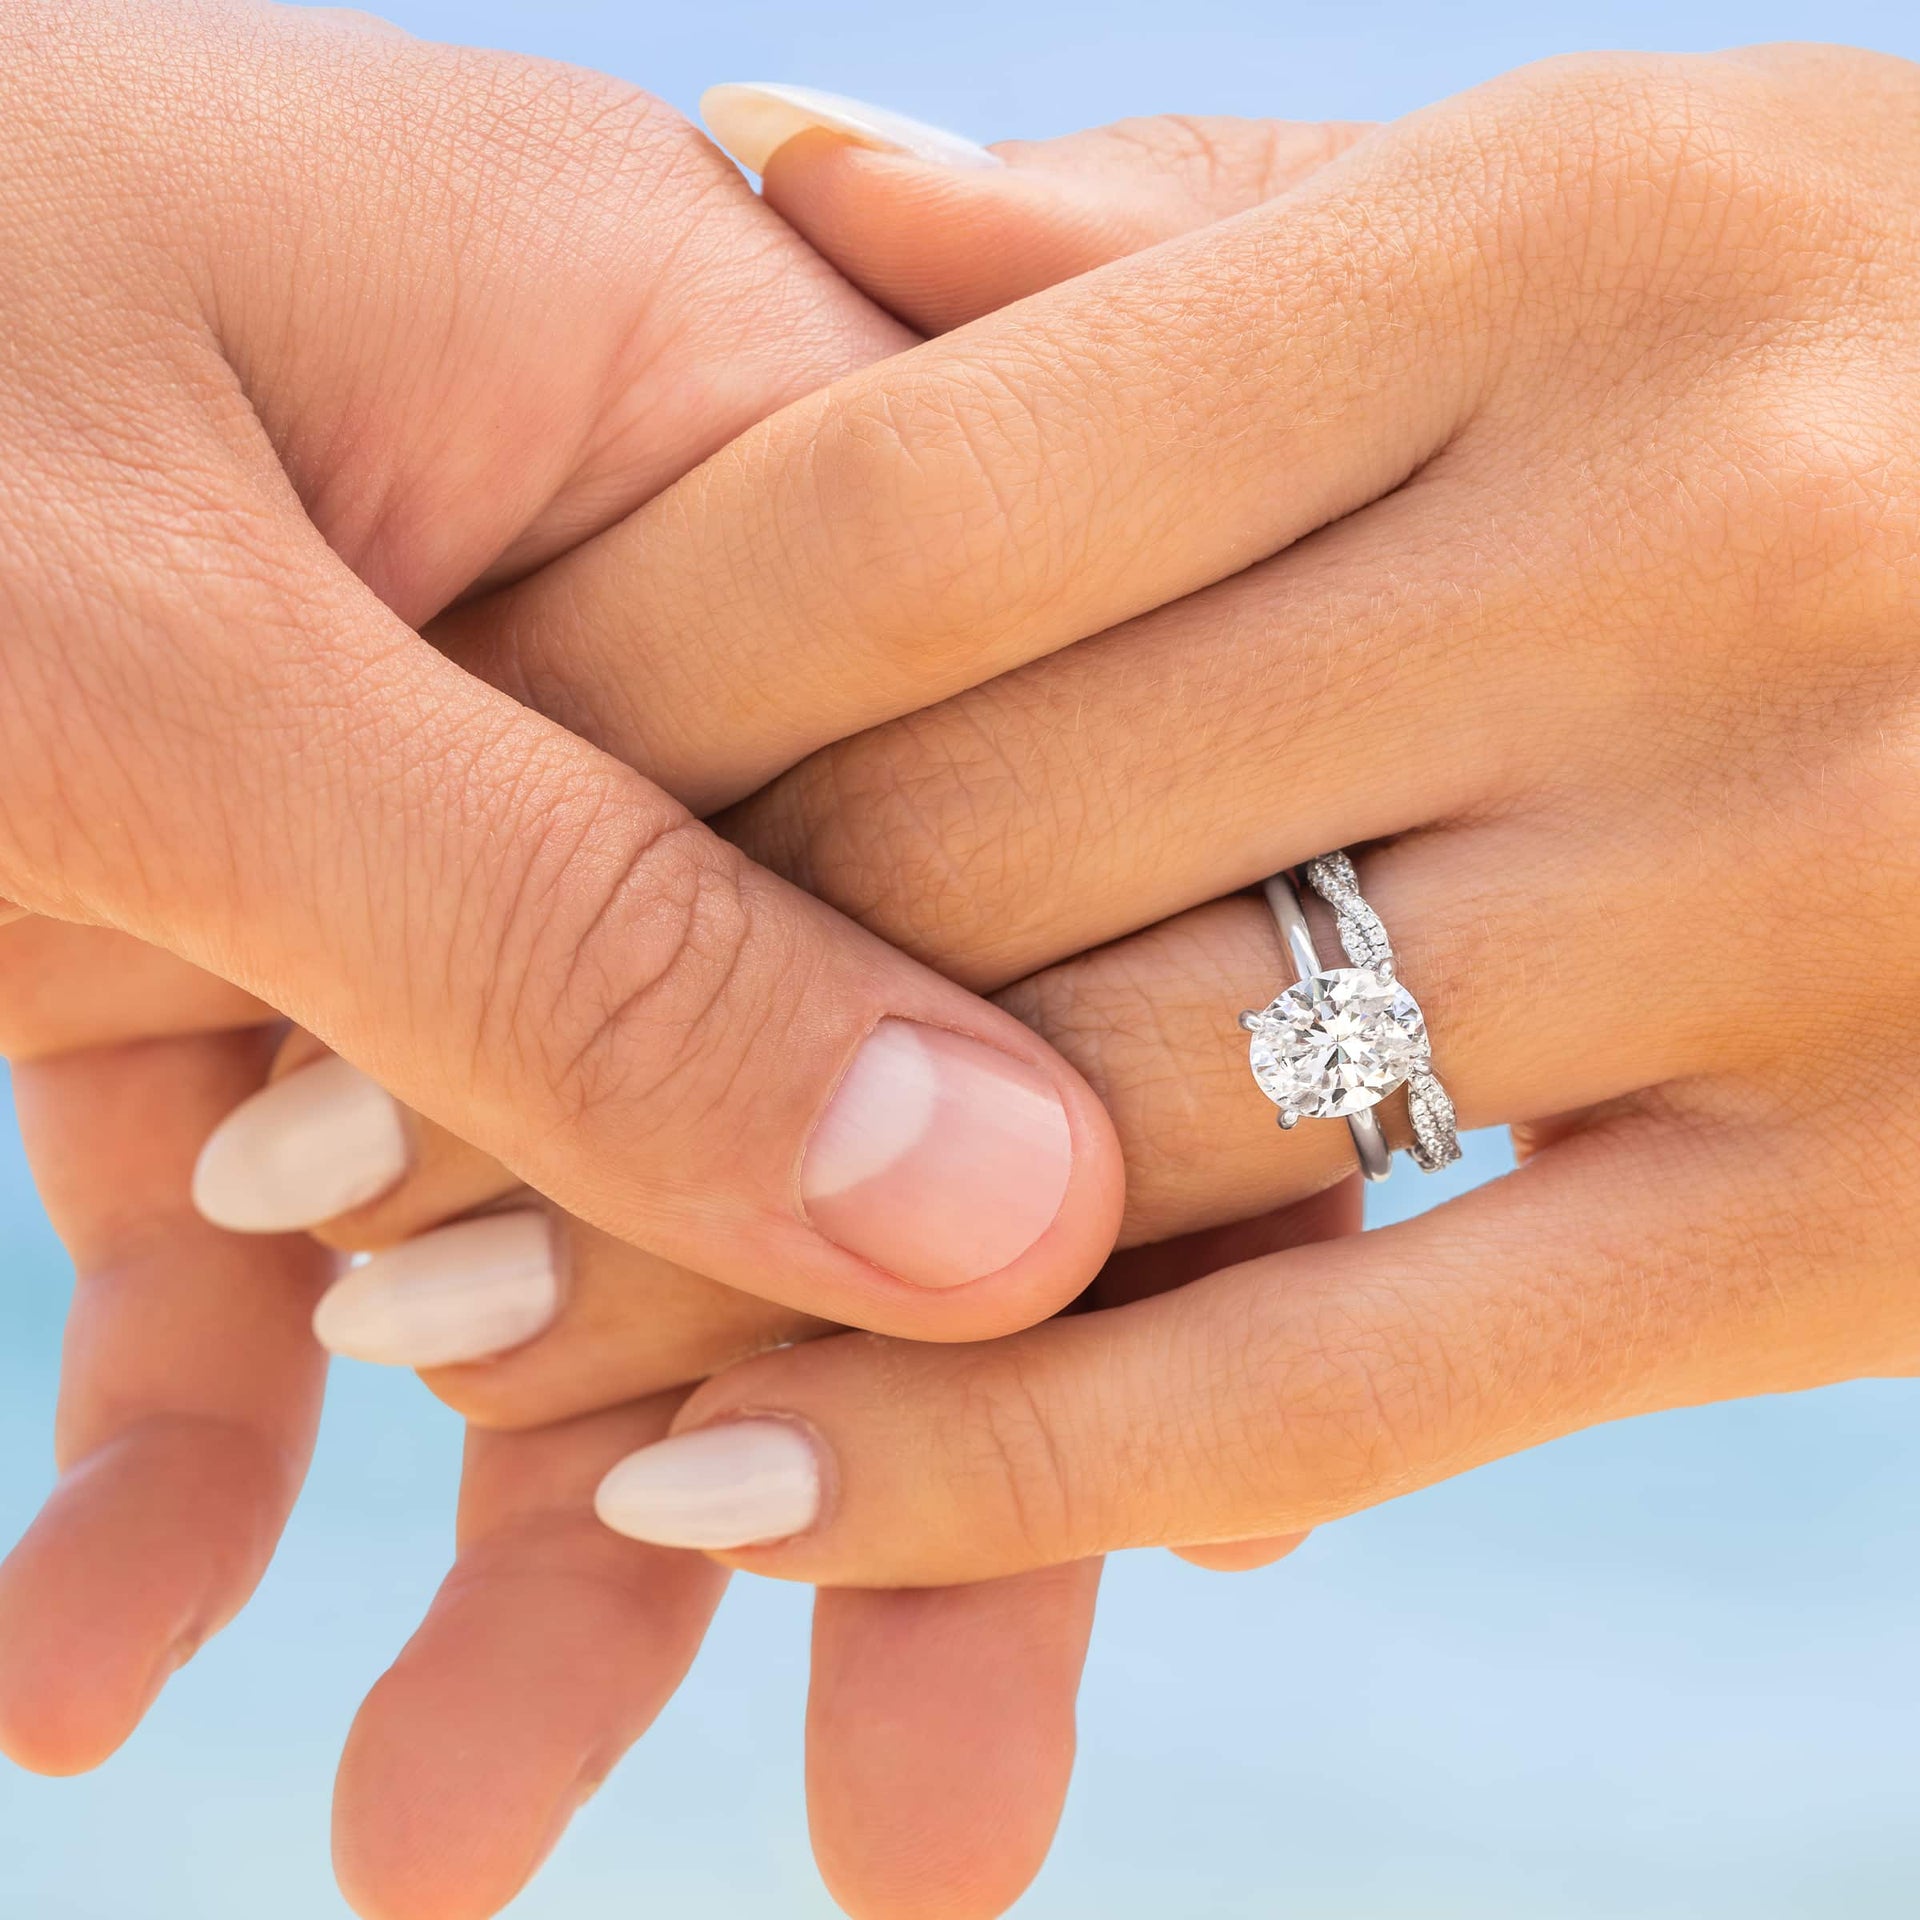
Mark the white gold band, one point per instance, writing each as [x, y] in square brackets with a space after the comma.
[1340, 1040]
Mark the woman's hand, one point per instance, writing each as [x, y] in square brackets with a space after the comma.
[1544, 485]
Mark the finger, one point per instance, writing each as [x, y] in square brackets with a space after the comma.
[940, 1738]
[1656, 1260]
[188, 1402]
[528, 1315]
[64, 987]
[548, 1652]
[1398, 712]
[900, 1805]
[1387, 732]
[559, 963]
[947, 1805]
[940, 245]
[524, 1315]
[1149, 1022]
[325, 1147]
[516, 1312]
[926, 525]
[1141, 1273]
[1563, 901]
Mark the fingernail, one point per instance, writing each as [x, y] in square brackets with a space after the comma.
[938, 1158]
[740, 1483]
[312, 1146]
[754, 119]
[465, 1292]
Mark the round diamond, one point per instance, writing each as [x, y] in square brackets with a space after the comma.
[1338, 1042]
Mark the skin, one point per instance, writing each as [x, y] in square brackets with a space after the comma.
[1551, 457]
[396, 324]
[191, 1387]
[1560, 477]
[1549, 1302]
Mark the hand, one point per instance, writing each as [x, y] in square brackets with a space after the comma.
[191, 1393]
[232, 474]
[990, 1671]
[1543, 481]
[505, 368]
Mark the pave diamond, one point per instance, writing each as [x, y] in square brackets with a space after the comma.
[1336, 1043]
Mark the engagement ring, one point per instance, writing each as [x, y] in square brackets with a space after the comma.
[1341, 1039]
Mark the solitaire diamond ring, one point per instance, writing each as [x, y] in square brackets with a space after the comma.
[1341, 1039]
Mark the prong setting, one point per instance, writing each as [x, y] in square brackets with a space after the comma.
[1342, 1039]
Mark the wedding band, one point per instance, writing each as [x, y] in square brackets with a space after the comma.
[1341, 1039]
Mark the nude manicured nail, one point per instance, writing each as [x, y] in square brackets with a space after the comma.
[317, 1144]
[938, 1158]
[465, 1292]
[754, 119]
[741, 1483]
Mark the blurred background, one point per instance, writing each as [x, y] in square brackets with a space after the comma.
[1668, 1670]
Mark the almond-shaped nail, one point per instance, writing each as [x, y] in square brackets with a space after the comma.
[739, 1483]
[312, 1146]
[938, 1158]
[754, 119]
[466, 1292]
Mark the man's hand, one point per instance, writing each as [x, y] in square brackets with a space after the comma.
[413, 428]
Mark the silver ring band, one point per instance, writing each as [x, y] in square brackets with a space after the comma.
[1341, 1040]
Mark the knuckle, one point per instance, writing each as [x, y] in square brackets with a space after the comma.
[1364, 1399]
[939, 832]
[621, 971]
[941, 500]
[1010, 1460]
[1661, 187]
[1829, 525]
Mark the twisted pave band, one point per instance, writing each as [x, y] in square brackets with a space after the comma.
[1342, 1039]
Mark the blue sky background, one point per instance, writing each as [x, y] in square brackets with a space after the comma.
[1666, 1671]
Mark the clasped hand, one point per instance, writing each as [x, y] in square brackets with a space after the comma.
[1526, 494]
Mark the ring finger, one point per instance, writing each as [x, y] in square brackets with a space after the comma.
[1514, 936]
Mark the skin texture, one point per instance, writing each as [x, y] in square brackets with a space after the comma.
[1498, 301]
[1558, 471]
[191, 1387]
[1559, 478]
[395, 322]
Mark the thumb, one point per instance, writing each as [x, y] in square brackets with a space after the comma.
[940, 231]
[529, 943]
